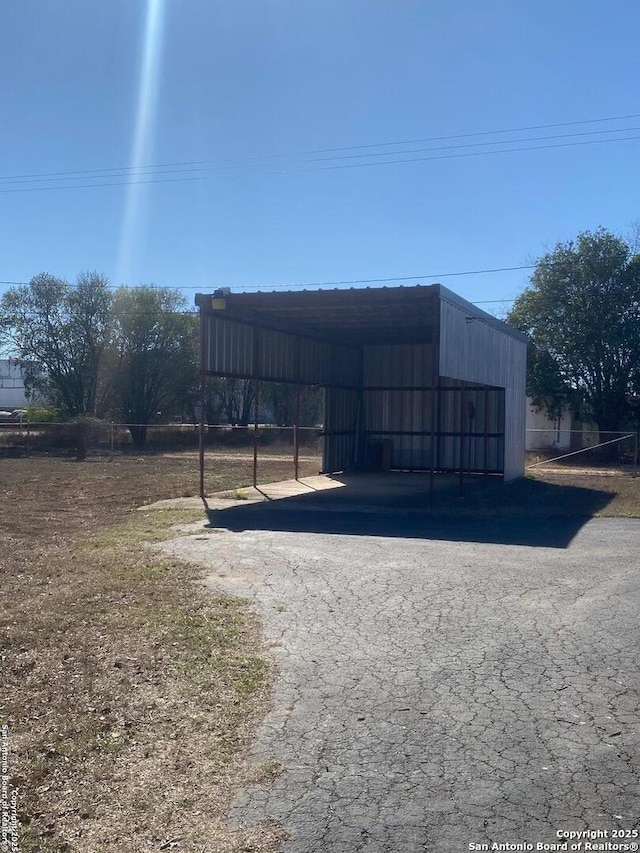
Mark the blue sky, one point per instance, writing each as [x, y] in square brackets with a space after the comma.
[250, 84]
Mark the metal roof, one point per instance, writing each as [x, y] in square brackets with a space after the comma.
[354, 316]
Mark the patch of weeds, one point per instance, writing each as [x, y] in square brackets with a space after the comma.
[267, 772]
[249, 675]
[151, 526]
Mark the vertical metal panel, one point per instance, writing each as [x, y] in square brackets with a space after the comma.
[472, 349]
[230, 347]
[475, 351]
[515, 417]
[341, 421]
[398, 365]
[345, 366]
[488, 408]
[282, 357]
[405, 410]
[278, 356]
[315, 362]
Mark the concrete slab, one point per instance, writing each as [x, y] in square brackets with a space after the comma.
[249, 494]
[393, 490]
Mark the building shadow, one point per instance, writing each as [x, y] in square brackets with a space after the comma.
[527, 512]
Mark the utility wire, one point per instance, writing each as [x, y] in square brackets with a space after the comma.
[476, 144]
[201, 165]
[319, 284]
[476, 133]
[14, 178]
[302, 285]
[291, 171]
[472, 154]
[299, 284]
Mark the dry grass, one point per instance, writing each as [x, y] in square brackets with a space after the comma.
[128, 692]
[618, 490]
[558, 493]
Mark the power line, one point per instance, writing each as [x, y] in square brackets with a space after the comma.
[477, 144]
[299, 284]
[146, 171]
[477, 133]
[127, 183]
[36, 175]
[384, 280]
[84, 172]
[473, 154]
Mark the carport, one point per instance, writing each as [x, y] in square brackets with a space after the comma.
[415, 378]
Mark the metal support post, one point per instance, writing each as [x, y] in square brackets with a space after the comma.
[202, 403]
[486, 431]
[462, 414]
[256, 405]
[296, 436]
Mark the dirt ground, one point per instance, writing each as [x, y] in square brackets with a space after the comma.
[130, 694]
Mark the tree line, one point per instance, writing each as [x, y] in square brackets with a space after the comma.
[581, 312]
[129, 354]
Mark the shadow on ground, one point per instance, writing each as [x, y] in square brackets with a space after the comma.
[527, 512]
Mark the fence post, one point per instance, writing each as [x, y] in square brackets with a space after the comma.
[635, 453]
[28, 439]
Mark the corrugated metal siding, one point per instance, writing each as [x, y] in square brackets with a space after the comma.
[229, 347]
[388, 412]
[243, 350]
[475, 351]
[406, 416]
[475, 443]
[315, 360]
[515, 433]
[341, 427]
[277, 355]
[398, 365]
[346, 366]
[478, 352]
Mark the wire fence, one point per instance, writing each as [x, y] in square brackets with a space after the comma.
[17, 439]
[587, 448]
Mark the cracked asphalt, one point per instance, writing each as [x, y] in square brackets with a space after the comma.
[435, 692]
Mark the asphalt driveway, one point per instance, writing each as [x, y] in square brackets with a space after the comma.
[438, 691]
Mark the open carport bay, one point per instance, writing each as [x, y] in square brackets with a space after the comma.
[437, 689]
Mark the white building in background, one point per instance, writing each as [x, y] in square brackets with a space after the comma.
[12, 393]
[545, 433]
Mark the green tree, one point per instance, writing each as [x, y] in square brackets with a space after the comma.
[546, 388]
[154, 356]
[582, 311]
[280, 397]
[230, 400]
[60, 333]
